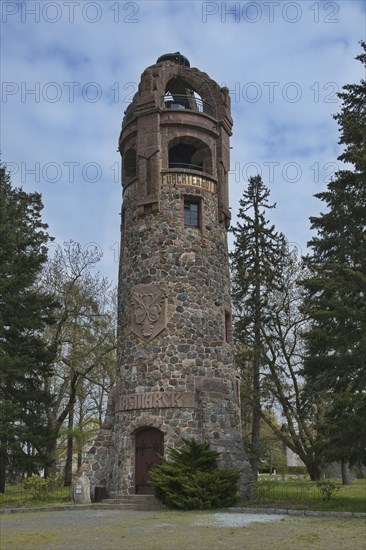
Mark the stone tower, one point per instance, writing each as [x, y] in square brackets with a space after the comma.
[175, 374]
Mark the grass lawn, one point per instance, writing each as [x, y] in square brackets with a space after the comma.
[16, 496]
[303, 494]
[298, 494]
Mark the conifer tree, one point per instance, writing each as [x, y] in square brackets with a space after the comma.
[25, 311]
[255, 263]
[190, 479]
[336, 288]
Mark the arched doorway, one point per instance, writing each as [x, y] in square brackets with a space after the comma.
[149, 447]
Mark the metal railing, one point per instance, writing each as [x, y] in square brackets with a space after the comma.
[185, 165]
[176, 102]
[189, 102]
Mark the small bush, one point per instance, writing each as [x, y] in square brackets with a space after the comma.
[263, 490]
[328, 488]
[191, 480]
[40, 487]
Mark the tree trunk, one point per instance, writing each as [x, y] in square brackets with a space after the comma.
[270, 462]
[255, 451]
[2, 474]
[256, 414]
[80, 458]
[69, 453]
[81, 439]
[346, 474]
[256, 419]
[50, 467]
[314, 471]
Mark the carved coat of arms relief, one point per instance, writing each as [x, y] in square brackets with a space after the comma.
[149, 311]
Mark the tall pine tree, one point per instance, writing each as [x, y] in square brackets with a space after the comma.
[24, 313]
[257, 255]
[336, 288]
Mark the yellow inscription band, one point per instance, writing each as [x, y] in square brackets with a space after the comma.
[177, 178]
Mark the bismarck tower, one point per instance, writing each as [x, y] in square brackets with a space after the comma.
[176, 375]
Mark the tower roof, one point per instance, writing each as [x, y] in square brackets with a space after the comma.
[177, 57]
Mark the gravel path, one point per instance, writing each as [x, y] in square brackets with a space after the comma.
[236, 520]
[161, 530]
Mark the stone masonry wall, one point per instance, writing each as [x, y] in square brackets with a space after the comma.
[190, 354]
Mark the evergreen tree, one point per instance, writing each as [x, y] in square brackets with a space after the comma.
[191, 480]
[25, 311]
[336, 288]
[255, 261]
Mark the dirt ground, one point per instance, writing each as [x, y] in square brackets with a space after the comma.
[132, 530]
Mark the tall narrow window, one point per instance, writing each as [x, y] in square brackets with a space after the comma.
[192, 212]
[228, 328]
[129, 163]
[238, 390]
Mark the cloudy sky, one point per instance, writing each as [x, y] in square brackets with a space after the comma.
[70, 68]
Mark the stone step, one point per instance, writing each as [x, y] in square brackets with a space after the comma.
[133, 502]
[125, 506]
[133, 498]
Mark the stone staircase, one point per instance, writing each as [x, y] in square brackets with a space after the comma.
[132, 502]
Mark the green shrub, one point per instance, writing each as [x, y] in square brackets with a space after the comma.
[191, 480]
[297, 470]
[327, 488]
[40, 487]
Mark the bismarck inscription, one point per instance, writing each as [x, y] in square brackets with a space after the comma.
[149, 311]
[157, 400]
[180, 178]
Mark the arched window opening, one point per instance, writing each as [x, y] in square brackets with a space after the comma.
[191, 154]
[180, 95]
[129, 163]
[184, 155]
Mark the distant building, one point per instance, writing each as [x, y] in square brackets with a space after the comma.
[293, 460]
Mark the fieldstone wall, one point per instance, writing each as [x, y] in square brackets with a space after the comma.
[187, 268]
[96, 466]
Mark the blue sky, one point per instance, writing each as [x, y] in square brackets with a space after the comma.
[70, 68]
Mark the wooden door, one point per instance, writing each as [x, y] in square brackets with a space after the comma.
[149, 444]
